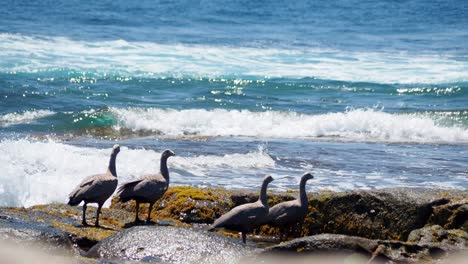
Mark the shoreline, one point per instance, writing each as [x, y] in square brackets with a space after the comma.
[402, 215]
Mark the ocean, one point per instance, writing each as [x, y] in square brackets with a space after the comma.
[364, 94]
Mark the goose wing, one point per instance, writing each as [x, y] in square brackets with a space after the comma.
[242, 217]
[145, 187]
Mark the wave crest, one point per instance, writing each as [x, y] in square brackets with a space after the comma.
[358, 124]
[25, 117]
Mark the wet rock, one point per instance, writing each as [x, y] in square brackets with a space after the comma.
[378, 214]
[11, 253]
[453, 215]
[26, 233]
[66, 219]
[169, 245]
[449, 240]
[185, 204]
[346, 246]
[192, 205]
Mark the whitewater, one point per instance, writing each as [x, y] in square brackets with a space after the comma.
[26, 54]
[39, 172]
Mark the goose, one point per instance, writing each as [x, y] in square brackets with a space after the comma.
[244, 218]
[286, 214]
[96, 188]
[148, 188]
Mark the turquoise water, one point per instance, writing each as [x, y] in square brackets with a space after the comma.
[365, 95]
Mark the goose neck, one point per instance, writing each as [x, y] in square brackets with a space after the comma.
[111, 166]
[303, 195]
[163, 168]
[263, 194]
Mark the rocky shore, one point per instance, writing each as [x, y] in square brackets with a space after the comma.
[389, 226]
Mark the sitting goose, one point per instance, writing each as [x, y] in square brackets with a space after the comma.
[96, 188]
[286, 214]
[147, 189]
[246, 217]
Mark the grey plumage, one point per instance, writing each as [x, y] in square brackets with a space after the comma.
[244, 218]
[147, 189]
[96, 188]
[287, 214]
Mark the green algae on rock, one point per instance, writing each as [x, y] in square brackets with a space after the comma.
[376, 214]
[389, 214]
[185, 204]
[437, 235]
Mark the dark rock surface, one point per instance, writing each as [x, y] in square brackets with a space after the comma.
[330, 244]
[64, 219]
[412, 224]
[377, 214]
[454, 239]
[169, 245]
[452, 215]
[30, 233]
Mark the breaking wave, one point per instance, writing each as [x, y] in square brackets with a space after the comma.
[358, 124]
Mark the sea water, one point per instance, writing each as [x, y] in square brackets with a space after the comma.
[363, 94]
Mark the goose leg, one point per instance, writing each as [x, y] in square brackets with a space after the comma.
[137, 207]
[244, 237]
[149, 212]
[83, 222]
[97, 215]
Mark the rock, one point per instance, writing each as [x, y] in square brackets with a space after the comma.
[66, 219]
[449, 240]
[185, 204]
[195, 205]
[453, 215]
[13, 253]
[377, 214]
[169, 245]
[26, 233]
[389, 214]
[346, 246]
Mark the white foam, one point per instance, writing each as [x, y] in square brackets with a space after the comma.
[45, 172]
[25, 117]
[20, 53]
[359, 124]
[200, 165]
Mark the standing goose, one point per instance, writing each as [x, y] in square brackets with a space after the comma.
[147, 189]
[96, 188]
[286, 214]
[244, 218]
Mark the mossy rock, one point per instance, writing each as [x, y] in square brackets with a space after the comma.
[185, 204]
[191, 205]
[453, 215]
[379, 214]
[435, 234]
